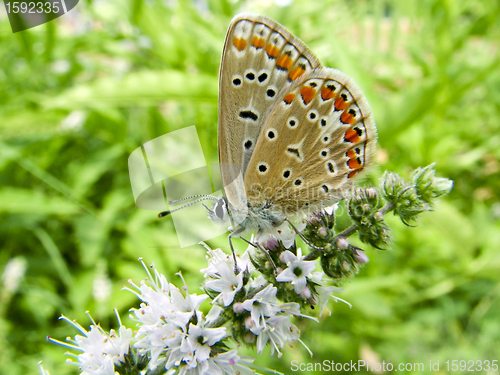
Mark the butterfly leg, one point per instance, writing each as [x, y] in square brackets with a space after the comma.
[302, 236]
[257, 246]
[231, 235]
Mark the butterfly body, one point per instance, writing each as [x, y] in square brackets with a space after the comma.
[261, 218]
[292, 134]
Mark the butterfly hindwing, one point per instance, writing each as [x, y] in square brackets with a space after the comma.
[314, 140]
[260, 60]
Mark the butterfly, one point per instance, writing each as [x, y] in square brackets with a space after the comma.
[292, 134]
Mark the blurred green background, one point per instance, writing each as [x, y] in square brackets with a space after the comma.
[79, 94]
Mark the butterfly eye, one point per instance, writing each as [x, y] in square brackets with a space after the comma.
[219, 208]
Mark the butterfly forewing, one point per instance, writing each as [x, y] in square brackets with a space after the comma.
[315, 138]
[261, 60]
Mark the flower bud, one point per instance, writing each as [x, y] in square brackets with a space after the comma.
[271, 243]
[306, 293]
[361, 257]
[313, 300]
[371, 193]
[391, 186]
[249, 324]
[238, 307]
[249, 338]
[378, 216]
[314, 221]
[342, 243]
[441, 186]
[322, 232]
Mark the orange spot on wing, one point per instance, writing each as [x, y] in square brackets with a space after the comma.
[352, 174]
[351, 154]
[307, 93]
[340, 104]
[347, 118]
[240, 43]
[258, 42]
[354, 163]
[352, 136]
[289, 98]
[296, 73]
[284, 62]
[326, 93]
[272, 51]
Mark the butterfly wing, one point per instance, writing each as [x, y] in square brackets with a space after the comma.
[260, 60]
[314, 140]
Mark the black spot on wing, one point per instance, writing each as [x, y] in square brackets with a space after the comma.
[249, 115]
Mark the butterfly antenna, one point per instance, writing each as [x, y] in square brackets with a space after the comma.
[205, 197]
[193, 196]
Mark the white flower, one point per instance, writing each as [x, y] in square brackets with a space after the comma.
[278, 330]
[330, 210]
[101, 351]
[297, 271]
[163, 318]
[226, 283]
[217, 259]
[244, 262]
[230, 363]
[198, 342]
[283, 233]
[324, 293]
[263, 304]
[258, 282]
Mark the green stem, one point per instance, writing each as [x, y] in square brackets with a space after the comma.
[387, 208]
